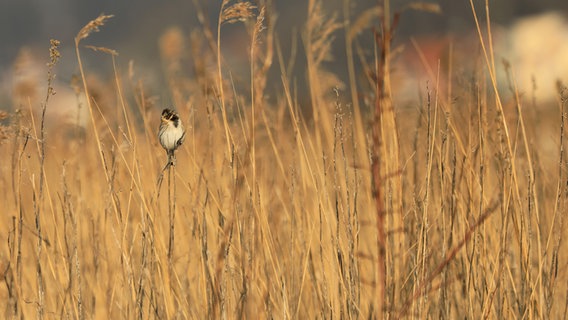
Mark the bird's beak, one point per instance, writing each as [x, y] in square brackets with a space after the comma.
[164, 119]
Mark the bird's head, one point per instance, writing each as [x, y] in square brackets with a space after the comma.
[169, 115]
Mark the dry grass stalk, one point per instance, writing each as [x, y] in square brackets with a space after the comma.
[238, 12]
[318, 38]
[111, 52]
[320, 29]
[92, 26]
[54, 56]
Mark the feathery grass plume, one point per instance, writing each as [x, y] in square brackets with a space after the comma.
[258, 27]
[112, 52]
[54, 54]
[319, 31]
[364, 21]
[240, 11]
[92, 26]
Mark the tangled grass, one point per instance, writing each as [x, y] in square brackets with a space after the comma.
[282, 210]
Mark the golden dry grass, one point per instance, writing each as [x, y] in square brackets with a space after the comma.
[272, 211]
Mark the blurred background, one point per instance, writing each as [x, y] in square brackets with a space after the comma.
[135, 30]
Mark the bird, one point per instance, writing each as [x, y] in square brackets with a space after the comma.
[171, 134]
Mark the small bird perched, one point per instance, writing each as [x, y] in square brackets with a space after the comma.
[171, 134]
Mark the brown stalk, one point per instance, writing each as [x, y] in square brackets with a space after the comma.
[38, 203]
[449, 257]
[383, 42]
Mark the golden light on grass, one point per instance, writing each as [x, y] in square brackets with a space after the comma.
[238, 11]
[92, 26]
[447, 210]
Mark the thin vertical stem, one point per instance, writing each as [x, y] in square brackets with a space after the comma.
[220, 83]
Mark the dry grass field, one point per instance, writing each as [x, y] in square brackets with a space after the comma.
[339, 206]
